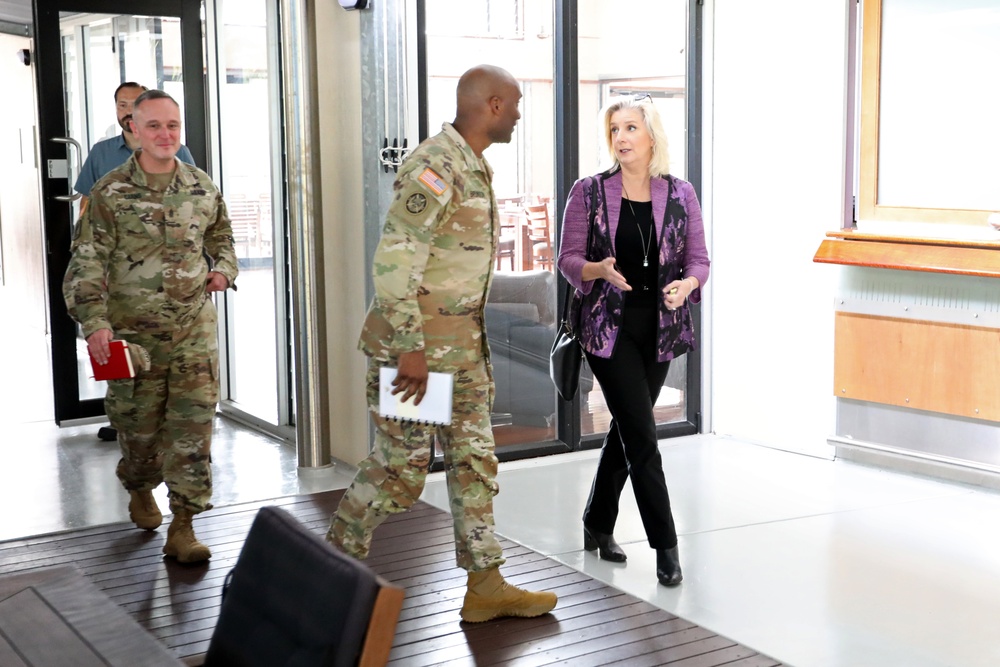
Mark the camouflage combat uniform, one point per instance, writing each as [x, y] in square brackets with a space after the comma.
[432, 272]
[138, 269]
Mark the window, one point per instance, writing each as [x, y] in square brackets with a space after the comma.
[500, 19]
[648, 58]
[521, 312]
[930, 90]
[557, 141]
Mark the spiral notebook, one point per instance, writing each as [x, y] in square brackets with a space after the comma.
[435, 408]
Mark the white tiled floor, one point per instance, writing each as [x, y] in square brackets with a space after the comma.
[55, 478]
[814, 562]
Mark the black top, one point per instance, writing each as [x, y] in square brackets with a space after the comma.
[634, 237]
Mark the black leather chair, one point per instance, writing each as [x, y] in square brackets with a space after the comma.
[295, 601]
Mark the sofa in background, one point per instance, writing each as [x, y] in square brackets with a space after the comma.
[521, 321]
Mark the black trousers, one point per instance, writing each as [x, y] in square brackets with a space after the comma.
[631, 380]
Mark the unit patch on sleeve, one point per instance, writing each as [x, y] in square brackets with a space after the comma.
[430, 178]
[416, 203]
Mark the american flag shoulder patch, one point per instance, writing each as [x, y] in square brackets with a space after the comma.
[430, 178]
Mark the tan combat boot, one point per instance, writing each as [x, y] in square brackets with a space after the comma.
[489, 596]
[181, 542]
[143, 511]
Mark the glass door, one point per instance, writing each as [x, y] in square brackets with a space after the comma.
[85, 50]
[257, 354]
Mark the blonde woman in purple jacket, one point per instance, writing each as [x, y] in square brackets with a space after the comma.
[648, 260]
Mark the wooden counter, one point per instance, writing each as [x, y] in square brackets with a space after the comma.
[970, 258]
[916, 363]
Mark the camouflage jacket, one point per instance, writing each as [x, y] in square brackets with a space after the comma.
[138, 260]
[434, 263]
[681, 240]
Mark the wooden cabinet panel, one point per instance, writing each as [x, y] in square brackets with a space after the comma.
[949, 368]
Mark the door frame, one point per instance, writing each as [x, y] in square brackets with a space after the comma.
[57, 224]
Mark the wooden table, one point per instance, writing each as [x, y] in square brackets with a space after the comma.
[53, 616]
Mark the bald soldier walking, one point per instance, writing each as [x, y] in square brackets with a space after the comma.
[138, 272]
[432, 272]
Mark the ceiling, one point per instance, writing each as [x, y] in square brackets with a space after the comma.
[16, 11]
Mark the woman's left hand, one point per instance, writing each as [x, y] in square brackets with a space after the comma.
[677, 292]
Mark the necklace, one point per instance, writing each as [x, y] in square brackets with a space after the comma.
[646, 243]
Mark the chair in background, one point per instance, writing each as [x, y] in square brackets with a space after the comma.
[540, 233]
[295, 600]
[510, 210]
[244, 216]
[506, 248]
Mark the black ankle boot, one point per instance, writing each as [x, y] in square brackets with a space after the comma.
[608, 548]
[668, 567]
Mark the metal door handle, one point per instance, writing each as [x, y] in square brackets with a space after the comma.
[72, 196]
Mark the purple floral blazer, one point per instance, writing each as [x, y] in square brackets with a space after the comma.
[681, 240]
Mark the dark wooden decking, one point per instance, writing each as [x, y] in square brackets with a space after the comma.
[594, 624]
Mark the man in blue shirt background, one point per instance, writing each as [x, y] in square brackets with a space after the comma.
[108, 154]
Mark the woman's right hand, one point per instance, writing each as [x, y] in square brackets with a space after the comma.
[605, 270]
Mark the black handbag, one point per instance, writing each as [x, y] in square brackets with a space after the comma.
[565, 360]
[566, 356]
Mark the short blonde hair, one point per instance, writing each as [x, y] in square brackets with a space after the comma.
[659, 162]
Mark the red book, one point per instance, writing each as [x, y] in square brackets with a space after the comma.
[119, 366]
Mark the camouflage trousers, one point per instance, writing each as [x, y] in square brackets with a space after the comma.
[164, 415]
[392, 478]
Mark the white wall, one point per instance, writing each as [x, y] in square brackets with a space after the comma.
[338, 46]
[777, 128]
[22, 263]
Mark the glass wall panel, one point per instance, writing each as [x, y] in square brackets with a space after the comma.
[246, 154]
[650, 56]
[521, 311]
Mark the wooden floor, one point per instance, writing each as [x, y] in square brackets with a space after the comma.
[594, 624]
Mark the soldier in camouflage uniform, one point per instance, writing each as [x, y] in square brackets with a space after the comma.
[138, 273]
[432, 272]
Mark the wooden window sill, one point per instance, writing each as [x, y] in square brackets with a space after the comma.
[967, 258]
